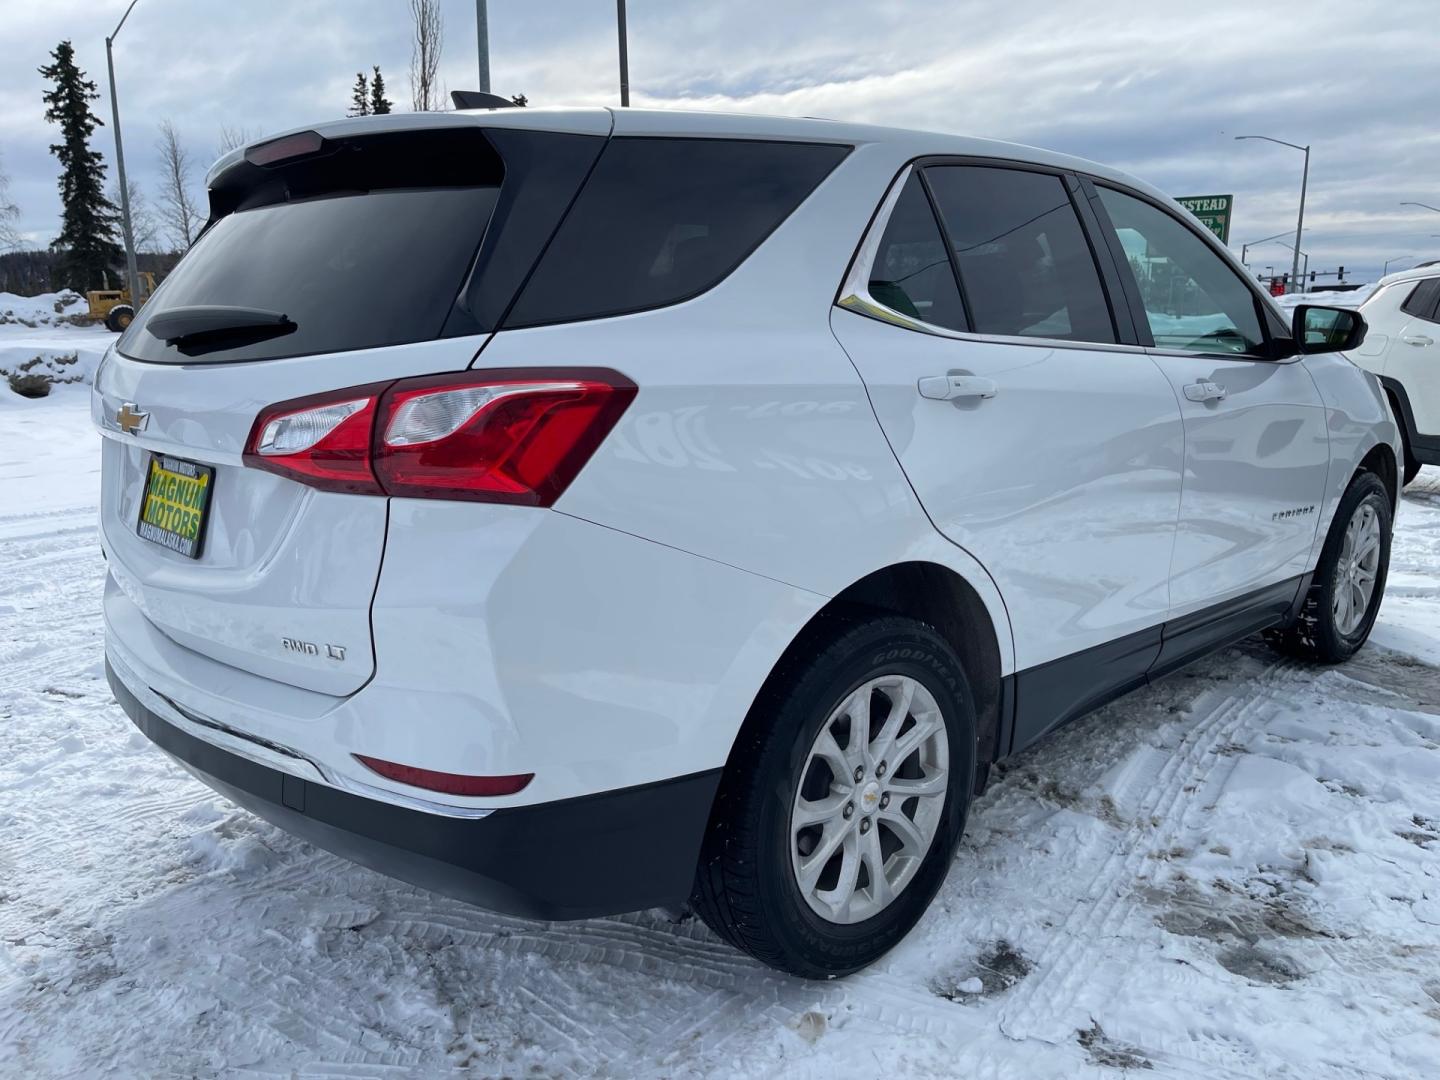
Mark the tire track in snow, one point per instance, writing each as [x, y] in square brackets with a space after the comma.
[1047, 1005]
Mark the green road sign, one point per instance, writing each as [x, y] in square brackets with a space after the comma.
[1213, 212]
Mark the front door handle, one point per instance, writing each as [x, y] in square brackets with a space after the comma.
[954, 387]
[1205, 390]
[1418, 340]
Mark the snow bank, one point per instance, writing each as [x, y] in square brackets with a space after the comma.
[1350, 299]
[41, 349]
[47, 309]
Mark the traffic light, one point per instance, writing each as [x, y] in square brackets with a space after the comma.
[1312, 277]
[1342, 273]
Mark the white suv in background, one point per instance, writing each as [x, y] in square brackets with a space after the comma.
[1403, 349]
[580, 511]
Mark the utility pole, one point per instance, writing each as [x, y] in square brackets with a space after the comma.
[1304, 182]
[624, 54]
[131, 274]
[482, 44]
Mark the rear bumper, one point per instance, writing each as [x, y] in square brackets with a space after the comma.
[571, 859]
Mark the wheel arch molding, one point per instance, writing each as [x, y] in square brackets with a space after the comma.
[941, 598]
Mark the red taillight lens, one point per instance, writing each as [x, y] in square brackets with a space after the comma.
[449, 783]
[495, 436]
[509, 436]
[323, 441]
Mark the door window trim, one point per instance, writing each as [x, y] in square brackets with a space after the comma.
[854, 292]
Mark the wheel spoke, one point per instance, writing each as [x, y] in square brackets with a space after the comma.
[899, 710]
[912, 840]
[840, 897]
[935, 783]
[925, 726]
[830, 840]
[880, 892]
[817, 811]
[857, 708]
[842, 769]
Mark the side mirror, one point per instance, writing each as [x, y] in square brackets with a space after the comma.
[1327, 329]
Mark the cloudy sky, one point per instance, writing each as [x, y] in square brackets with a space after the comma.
[1156, 88]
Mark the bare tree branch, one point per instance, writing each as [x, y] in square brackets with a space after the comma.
[10, 238]
[178, 209]
[232, 137]
[143, 226]
[425, 49]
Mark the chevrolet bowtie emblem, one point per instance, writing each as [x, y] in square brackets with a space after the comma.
[130, 419]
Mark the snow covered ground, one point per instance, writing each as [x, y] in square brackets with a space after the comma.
[1235, 873]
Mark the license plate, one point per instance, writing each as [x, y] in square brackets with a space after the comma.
[176, 504]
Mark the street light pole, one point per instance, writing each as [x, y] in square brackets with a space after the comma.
[624, 54]
[132, 275]
[1304, 183]
[1245, 248]
[1386, 268]
[1427, 206]
[482, 44]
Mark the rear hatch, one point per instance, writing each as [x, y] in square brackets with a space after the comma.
[352, 256]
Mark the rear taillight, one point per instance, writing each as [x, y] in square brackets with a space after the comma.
[510, 436]
[323, 441]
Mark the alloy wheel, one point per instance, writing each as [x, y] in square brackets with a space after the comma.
[870, 800]
[1357, 569]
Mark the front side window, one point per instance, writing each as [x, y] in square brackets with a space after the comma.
[911, 273]
[1025, 265]
[1194, 301]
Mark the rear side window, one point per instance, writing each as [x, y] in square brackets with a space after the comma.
[1423, 299]
[662, 220]
[1024, 262]
[911, 273]
[366, 243]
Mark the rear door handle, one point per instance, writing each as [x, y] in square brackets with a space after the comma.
[1419, 341]
[953, 387]
[1205, 390]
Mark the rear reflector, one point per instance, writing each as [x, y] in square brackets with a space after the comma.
[448, 783]
[506, 436]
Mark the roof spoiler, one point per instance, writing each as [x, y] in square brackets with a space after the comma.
[477, 99]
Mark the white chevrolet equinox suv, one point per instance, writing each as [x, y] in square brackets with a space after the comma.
[580, 511]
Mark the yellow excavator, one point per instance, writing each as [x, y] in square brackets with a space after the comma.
[115, 307]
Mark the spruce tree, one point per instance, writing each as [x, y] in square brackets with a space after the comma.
[379, 103]
[359, 97]
[87, 234]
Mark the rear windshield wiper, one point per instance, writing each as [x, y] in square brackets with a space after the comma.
[175, 325]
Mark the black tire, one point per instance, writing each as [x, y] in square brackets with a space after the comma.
[119, 317]
[1315, 636]
[745, 888]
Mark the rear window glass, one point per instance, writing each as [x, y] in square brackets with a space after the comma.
[1423, 299]
[662, 220]
[1024, 262]
[912, 273]
[365, 243]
